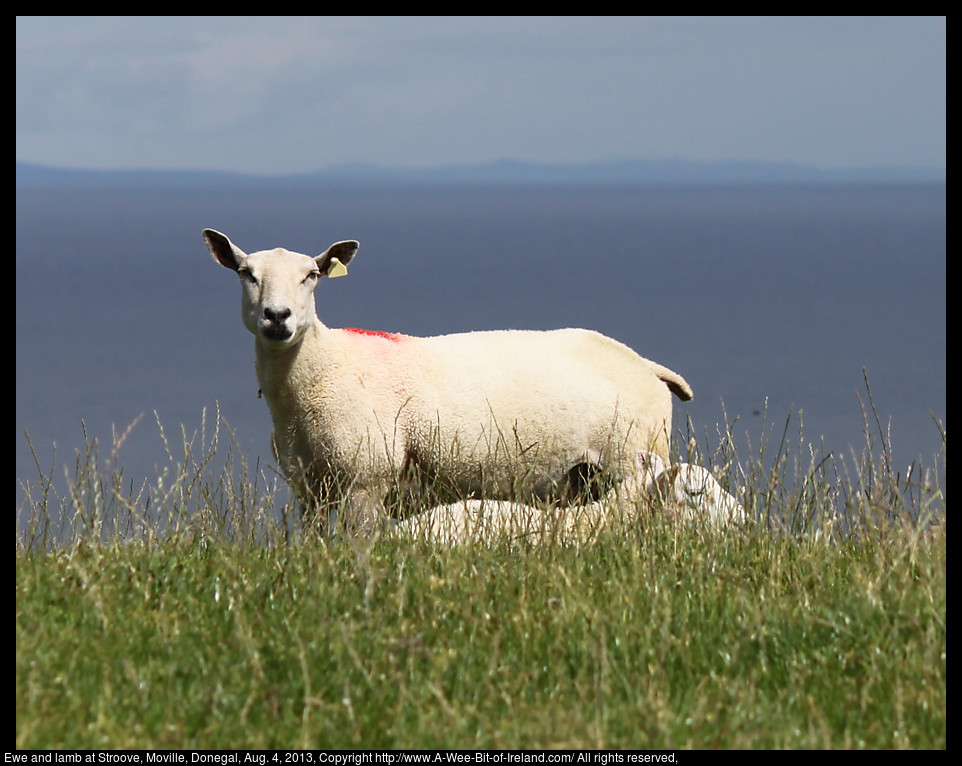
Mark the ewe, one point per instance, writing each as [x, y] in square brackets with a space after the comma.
[361, 418]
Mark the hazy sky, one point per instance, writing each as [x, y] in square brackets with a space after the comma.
[289, 94]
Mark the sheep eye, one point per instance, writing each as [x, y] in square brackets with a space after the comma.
[311, 277]
[246, 276]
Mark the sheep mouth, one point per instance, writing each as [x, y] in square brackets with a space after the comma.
[277, 334]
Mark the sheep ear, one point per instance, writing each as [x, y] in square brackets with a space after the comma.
[650, 463]
[225, 252]
[333, 261]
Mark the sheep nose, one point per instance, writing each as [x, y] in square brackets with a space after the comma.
[274, 324]
[276, 316]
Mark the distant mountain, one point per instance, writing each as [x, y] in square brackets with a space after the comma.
[634, 171]
[43, 175]
[673, 171]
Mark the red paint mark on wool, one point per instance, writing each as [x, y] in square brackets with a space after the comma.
[393, 336]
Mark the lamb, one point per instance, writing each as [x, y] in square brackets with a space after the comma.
[683, 493]
[361, 418]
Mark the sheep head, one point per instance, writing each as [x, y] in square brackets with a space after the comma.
[694, 492]
[277, 303]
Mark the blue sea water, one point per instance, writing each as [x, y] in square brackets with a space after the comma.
[768, 299]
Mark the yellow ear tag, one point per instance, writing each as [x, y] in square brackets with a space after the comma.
[336, 269]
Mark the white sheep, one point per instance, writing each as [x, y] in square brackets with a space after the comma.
[509, 414]
[683, 493]
[484, 521]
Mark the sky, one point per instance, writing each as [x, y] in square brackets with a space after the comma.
[286, 94]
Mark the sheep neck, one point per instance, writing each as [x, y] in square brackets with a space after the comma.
[285, 375]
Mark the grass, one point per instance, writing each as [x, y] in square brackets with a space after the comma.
[193, 613]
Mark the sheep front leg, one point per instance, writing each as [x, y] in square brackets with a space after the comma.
[363, 513]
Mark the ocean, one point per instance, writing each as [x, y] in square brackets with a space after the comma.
[774, 301]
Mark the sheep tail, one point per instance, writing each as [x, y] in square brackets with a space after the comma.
[675, 382]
